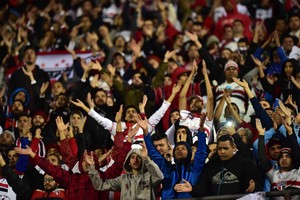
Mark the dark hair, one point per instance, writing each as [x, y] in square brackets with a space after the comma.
[52, 154]
[225, 138]
[159, 136]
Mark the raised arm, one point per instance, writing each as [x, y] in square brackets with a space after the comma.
[210, 96]
[262, 155]
[184, 90]
[156, 117]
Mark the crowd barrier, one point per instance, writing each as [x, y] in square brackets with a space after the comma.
[285, 193]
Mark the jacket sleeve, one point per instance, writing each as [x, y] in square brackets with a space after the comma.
[158, 115]
[266, 121]
[106, 123]
[60, 175]
[67, 156]
[268, 134]
[262, 155]
[154, 170]
[200, 156]
[242, 147]
[99, 184]
[19, 186]
[155, 155]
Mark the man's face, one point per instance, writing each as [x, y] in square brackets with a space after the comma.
[13, 158]
[148, 28]
[135, 162]
[118, 62]
[53, 160]
[61, 101]
[197, 29]
[171, 67]
[174, 116]
[225, 150]
[57, 88]
[288, 43]
[274, 151]
[225, 53]
[53, 151]
[49, 183]
[17, 108]
[294, 23]
[238, 27]
[136, 80]
[285, 162]
[193, 52]
[6, 139]
[231, 72]
[181, 134]
[129, 115]
[161, 146]
[24, 122]
[20, 96]
[100, 98]
[180, 152]
[196, 105]
[38, 121]
[30, 56]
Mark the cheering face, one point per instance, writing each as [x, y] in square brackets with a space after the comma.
[225, 150]
[135, 162]
[29, 56]
[285, 162]
[231, 72]
[180, 152]
[196, 105]
[17, 108]
[24, 122]
[129, 115]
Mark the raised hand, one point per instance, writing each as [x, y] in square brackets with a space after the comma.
[243, 83]
[184, 186]
[181, 137]
[144, 151]
[44, 87]
[169, 54]
[61, 126]
[27, 151]
[176, 88]
[95, 81]
[296, 83]
[111, 69]
[90, 101]
[107, 78]
[251, 186]
[81, 125]
[119, 115]
[89, 159]
[291, 102]
[142, 104]
[132, 132]
[194, 68]
[96, 65]
[256, 61]
[142, 123]
[38, 134]
[191, 36]
[103, 157]
[259, 127]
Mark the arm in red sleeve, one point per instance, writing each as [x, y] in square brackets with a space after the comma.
[73, 145]
[60, 175]
[66, 152]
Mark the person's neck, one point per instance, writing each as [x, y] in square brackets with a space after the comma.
[135, 172]
[30, 67]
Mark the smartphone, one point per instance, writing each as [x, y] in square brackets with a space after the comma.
[276, 104]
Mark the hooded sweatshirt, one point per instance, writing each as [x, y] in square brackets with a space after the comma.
[174, 173]
[132, 186]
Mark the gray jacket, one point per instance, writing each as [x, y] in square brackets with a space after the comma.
[135, 187]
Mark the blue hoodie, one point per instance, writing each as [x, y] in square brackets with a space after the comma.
[174, 173]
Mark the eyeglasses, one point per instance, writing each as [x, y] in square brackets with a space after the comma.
[48, 179]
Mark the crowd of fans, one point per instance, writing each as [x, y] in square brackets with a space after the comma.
[181, 99]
